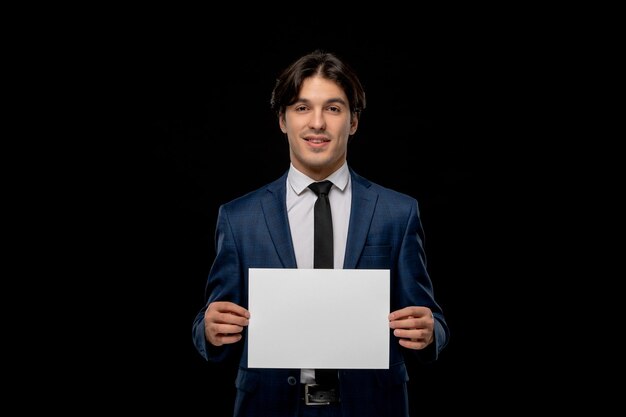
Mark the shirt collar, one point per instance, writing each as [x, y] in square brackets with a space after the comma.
[300, 182]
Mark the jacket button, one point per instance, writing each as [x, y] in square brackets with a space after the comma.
[292, 380]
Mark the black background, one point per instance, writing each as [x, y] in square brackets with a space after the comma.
[457, 116]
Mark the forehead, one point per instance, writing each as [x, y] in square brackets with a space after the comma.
[320, 88]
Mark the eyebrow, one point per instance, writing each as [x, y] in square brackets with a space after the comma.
[329, 101]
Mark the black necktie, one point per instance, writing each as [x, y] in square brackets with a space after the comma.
[323, 229]
[323, 253]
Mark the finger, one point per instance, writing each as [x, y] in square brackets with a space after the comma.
[228, 307]
[408, 334]
[226, 329]
[403, 312]
[408, 311]
[229, 318]
[226, 339]
[231, 338]
[408, 323]
[412, 344]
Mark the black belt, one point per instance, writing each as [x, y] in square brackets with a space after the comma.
[318, 394]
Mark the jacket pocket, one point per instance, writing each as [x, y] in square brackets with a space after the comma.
[375, 257]
[376, 251]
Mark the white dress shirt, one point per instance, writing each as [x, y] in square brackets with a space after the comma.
[300, 202]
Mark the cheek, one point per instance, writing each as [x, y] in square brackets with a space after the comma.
[348, 130]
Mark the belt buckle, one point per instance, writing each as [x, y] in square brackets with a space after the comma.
[315, 394]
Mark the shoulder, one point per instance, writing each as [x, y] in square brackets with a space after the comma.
[274, 189]
[383, 193]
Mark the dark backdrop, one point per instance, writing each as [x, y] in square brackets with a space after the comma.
[447, 122]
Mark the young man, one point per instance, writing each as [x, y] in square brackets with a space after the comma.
[318, 100]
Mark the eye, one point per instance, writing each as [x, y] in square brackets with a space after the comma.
[334, 109]
[300, 108]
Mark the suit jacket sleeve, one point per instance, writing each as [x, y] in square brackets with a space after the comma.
[415, 286]
[223, 284]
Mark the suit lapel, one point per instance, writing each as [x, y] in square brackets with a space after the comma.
[274, 207]
[362, 211]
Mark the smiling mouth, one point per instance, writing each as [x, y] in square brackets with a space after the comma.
[316, 140]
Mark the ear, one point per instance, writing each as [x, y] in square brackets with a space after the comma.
[354, 123]
[282, 122]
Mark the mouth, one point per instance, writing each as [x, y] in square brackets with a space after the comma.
[317, 140]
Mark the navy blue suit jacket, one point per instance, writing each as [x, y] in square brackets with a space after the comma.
[385, 232]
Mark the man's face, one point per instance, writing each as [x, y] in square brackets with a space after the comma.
[318, 126]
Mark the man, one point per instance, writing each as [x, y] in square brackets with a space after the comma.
[318, 100]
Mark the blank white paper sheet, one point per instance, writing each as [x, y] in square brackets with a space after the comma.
[318, 318]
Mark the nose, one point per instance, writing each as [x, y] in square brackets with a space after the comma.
[317, 121]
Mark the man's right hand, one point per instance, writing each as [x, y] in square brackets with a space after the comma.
[224, 321]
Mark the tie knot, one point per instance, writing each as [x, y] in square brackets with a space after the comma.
[322, 187]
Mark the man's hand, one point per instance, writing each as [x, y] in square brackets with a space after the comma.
[414, 326]
[224, 321]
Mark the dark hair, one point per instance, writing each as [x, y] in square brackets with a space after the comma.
[321, 63]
